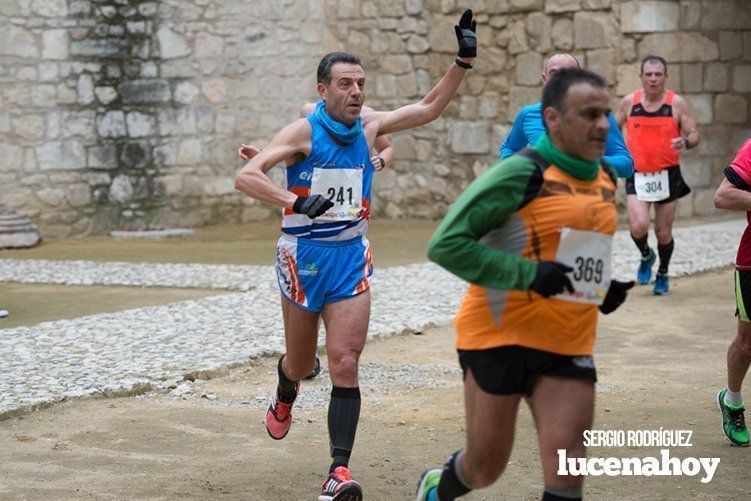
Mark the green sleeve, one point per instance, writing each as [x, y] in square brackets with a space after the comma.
[488, 201]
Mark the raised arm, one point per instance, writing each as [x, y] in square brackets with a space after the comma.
[431, 106]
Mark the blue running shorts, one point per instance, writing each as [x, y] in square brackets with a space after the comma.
[312, 273]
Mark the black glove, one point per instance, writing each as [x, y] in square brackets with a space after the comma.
[551, 278]
[312, 206]
[616, 296]
[465, 35]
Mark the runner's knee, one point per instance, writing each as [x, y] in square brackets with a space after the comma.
[296, 370]
[343, 364]
[742, 346]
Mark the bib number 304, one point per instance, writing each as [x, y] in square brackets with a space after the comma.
[589, 254]
[652, 186]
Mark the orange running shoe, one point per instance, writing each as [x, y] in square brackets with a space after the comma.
[279, 416]
[339, 486]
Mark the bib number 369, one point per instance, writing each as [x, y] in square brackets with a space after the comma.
[589, 254]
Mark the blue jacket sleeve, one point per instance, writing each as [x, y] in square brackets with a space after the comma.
[516, 139]
[616, 153]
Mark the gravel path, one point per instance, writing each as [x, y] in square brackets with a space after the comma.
[144, 348]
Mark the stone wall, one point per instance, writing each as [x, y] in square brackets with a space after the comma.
[122, 114]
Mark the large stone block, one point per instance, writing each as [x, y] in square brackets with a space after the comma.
[700, 107]
[51, 196]
[563, 34]
[121, 189]
[112, 124]
[716, 77]
[69, 154]
[679, 47]
[528, 68]
[144, 91]
[98, 47]
[525, 5]
[85, 89]
[18, 42]
[208, 46]
[519, 97]
[627, 78]
[136, 154]
[11, 157]
[725, 15]
[649, 16]
[29, 127]
[742, 78]
[690, 14]
[731, 45]
[704, 201]
[189, 152]
[517, 37]
[78, 123]
[140, 124]
[470, 137]
[55, 44]
[103, 156]
[558, 6]
[538, 28]
[50, 8]
[602, 61]
[594, 30]
[696, 170]
[171, 44]
[691, 77]
[730, 109]
[396, 64]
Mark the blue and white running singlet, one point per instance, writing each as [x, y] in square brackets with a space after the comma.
[327, 259]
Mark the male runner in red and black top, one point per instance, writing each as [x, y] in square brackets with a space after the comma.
[658, 129]
[735, 194]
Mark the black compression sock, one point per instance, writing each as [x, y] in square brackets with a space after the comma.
[451, 485]
[641, 244]
[287, 389]
[344, 413]
[665, 252]
[563, 494]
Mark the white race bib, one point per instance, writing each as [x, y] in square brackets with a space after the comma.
[652, 186]
[341, 186]
[589, 254]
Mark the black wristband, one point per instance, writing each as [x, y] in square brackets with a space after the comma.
[462, 64]
[383, 162]
[685, 141]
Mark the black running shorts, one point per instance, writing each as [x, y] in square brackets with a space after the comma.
[678, 187]
[510, 370]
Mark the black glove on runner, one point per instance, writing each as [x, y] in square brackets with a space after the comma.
[466, 35]
[551, 279]
[312, 206]
[616, 296]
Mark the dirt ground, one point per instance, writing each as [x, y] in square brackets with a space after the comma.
[660, 362]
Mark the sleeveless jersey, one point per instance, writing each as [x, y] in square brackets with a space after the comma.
[648, 135]
[343, 174]
[490, 318]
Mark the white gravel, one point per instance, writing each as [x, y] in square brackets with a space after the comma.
[139, 349]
